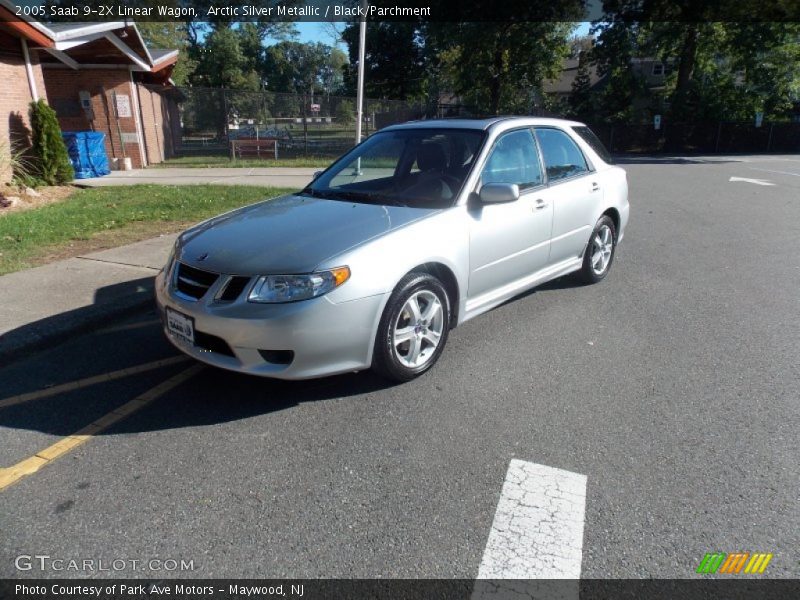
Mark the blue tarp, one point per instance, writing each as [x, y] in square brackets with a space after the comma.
[87, 152]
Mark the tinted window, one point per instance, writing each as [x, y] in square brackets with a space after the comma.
[514, 159]
[562, 157]
[377, 160]
[595, 144]
[417, 167]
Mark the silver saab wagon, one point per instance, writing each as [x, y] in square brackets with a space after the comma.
[421, 227]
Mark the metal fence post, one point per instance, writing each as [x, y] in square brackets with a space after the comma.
[227, 116]
[719, 133]
[769, 138]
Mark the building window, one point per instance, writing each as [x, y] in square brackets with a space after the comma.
[661, 69]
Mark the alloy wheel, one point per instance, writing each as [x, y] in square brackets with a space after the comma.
[418, 329]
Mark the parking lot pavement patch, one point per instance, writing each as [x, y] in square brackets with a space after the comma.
[11, 475]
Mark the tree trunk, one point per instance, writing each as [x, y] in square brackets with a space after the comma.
[686, 65]
[494, 83]
[680, 108]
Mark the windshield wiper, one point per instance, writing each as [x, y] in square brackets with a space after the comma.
[354, 196]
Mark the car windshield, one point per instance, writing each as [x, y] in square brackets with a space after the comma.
[411, 167]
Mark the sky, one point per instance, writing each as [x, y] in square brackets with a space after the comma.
[314, 32]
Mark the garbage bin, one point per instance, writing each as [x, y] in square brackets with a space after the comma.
[87, 153]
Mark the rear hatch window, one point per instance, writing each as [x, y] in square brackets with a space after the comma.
[594, 142]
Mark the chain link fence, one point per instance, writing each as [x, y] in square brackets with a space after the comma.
[723, 137]
[302, 125]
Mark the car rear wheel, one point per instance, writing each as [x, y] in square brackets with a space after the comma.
[600, 251]
[413, 329]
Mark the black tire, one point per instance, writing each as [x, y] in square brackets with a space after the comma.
[385, 360]
[588, 274]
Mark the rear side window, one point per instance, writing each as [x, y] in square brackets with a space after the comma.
[562, 157]
[595, 144]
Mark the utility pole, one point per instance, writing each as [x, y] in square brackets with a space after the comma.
[362, 41]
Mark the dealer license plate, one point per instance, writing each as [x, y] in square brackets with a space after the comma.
[181, 326]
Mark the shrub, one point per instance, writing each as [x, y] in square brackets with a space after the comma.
[18, 165]
[52, 161]
[345, 112]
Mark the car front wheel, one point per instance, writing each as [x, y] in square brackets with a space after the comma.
[600, 251]
[413, 329]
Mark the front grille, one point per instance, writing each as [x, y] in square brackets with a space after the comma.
[212, 343]
[192, 282]
[234, 288]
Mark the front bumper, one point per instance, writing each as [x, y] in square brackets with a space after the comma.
[325, 337]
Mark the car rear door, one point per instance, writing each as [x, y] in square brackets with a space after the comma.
[511, 240]
[575, 189]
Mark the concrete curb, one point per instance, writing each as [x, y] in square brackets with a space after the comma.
[37, 336]
[46, 305]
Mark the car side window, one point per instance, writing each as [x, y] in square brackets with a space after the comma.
[514, 159]
[562, 157]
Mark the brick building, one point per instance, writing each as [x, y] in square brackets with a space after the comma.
[22, 82]
[96, 76]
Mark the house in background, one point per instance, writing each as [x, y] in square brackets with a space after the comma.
[560, 89]
[97, 77]
[651, 71]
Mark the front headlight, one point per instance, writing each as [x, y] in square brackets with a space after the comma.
[170, 258]
[273, 289]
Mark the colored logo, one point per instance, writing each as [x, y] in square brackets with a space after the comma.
[736, 563]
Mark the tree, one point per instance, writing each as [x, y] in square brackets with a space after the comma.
[394, 64]
[499, 67]
[296, 67]
[614, 51]
[51, 160]
[719, 70]
[581, 99]
[170, 35]
[345, 112]
[222, 62]
[332, 74]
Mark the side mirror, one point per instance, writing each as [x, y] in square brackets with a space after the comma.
[498, 193]
[316, 175]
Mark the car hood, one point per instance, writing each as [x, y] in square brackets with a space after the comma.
[290, 234]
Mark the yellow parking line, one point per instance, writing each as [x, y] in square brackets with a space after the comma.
[34, 463]
[82, 383]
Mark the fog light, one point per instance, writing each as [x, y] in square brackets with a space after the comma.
[277, 357]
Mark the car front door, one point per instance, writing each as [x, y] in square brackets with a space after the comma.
[511, 240]
[575, 189]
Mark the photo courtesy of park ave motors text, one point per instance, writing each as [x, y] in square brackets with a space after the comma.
[378, 299]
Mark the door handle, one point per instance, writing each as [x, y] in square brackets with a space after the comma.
[595, 186]
[540, 204]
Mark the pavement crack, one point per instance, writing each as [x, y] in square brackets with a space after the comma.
[114, 262]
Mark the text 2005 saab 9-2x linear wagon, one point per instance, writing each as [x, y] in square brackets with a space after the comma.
[421, 227]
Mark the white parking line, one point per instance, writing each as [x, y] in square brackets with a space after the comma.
[755, 181]
[537, 531]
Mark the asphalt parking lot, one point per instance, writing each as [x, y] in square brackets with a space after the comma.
[672, 387]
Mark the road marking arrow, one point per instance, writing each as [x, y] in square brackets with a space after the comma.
[537, 532]
[756, 181]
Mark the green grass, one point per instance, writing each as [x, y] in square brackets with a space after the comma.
[201, 162]
[28, 237]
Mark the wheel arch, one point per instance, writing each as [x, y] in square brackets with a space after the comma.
[444, 274]
[613, 213]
